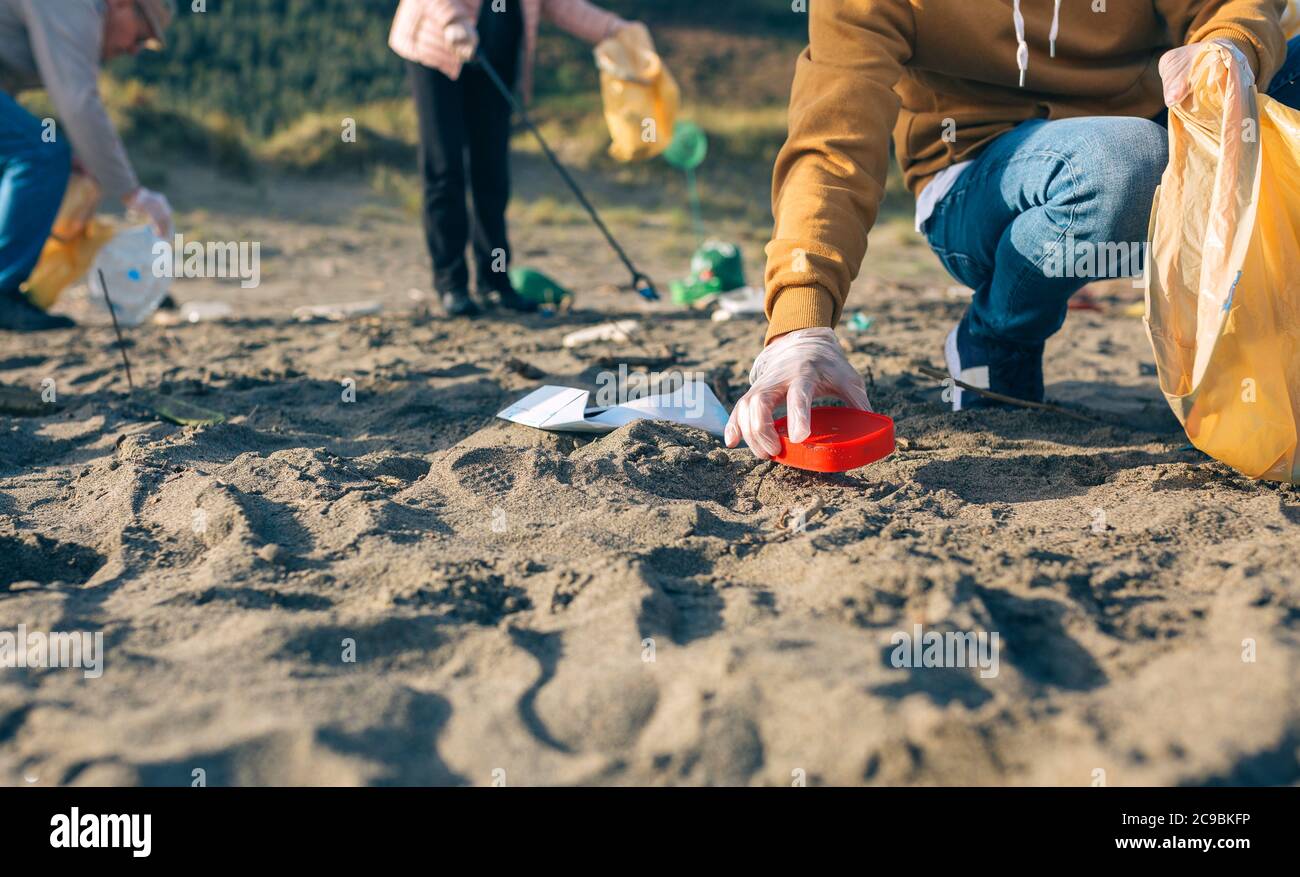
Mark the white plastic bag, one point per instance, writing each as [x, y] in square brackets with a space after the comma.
[134, 288]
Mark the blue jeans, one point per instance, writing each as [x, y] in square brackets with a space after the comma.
[1047, 195]
[33, 177]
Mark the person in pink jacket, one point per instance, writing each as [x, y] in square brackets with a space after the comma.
[465, 125]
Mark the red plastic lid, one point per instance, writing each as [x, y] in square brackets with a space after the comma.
[841, 439]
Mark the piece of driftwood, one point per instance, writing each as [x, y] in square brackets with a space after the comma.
[942, 376]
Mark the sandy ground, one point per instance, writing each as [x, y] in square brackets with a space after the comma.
[504, 590]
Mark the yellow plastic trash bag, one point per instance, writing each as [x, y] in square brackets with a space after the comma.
[73, 244]
[1223, 272]
[641, 97]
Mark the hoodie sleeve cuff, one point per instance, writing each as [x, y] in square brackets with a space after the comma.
[1244, 41]
[799, 307]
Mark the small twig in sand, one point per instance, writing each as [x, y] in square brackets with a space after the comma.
[795, 520]
[942, 376]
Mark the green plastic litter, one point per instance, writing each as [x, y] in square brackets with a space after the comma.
[688, 292]
[860, 322]
[183, 413]
[536, 287]
[716, 267]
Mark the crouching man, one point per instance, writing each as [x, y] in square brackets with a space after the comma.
[1020, 125]
[60, 45]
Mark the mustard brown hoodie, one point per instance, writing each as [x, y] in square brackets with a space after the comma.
[945, 76]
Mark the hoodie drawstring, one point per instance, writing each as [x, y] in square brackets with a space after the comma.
[1056, 26]
[1022, 47]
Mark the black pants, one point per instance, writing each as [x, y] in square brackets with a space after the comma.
[465, 137]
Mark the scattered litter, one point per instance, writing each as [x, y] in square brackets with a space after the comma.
[338, 312]
[181, 412]
[203, 311]
[743, 302]
[716, 267]
[1084, 300]
[618, 331]
[860, 322]
[534, 286]
[1137, 309]
[564, 409]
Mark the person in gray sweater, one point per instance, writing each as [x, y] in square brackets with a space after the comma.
[60, 45]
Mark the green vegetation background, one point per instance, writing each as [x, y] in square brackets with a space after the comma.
[268, 63]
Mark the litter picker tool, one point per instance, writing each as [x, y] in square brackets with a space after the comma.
[640, 282]
[687, 152]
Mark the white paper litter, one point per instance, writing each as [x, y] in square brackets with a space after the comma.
[564, 409]
[739, 303]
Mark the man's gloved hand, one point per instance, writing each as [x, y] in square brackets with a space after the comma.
[793, 370]
[153, 205]
[1176, 68]
[462, 38]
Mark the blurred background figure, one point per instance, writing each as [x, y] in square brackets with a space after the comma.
[60, 45]
[460, 109]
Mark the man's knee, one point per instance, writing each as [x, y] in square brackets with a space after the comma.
[1125, 174]
[1141, 156]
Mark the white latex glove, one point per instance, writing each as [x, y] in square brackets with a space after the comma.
[462, 38]
[153, 205]
[793, 370]
[1176, 68]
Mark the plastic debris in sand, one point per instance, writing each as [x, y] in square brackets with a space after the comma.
[716, 267]
[744, 302]
[537, 288]
[860, 322]
[195, 312]
[618, 331]
[841, 439]
[565, 409]
[338, 312]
